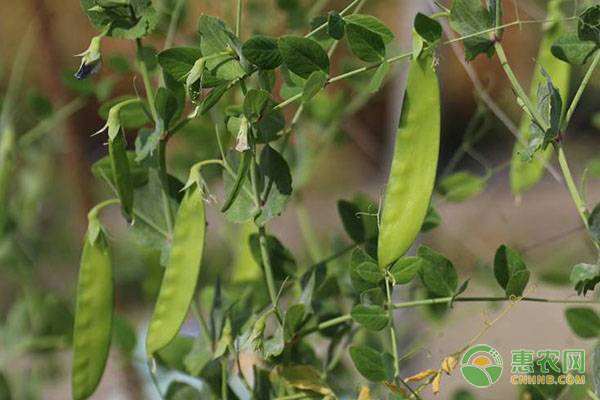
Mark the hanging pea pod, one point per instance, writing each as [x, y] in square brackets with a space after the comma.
[7, 149]
[119, 162]
[524, 174]
[183, 268]
[239, 180]
[412, 174]
[117, 150]
[94, 313]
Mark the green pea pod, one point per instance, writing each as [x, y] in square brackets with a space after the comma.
[179, 282]
[7, 150]
[117, 150]
[93, 315]
[526, 174]
[239, 181]
[412, 174]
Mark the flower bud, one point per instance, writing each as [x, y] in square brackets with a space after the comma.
[91, 59]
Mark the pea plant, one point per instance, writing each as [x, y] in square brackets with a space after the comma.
[305, 328]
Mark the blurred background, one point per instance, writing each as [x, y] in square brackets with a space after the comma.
[348, 152]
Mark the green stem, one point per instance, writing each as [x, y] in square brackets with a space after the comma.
[388, 292]
[346, 75]
[444, 300]
[173, 23]
[573, 191]
[580, 91]
[93, 213]
[238, 19]
[531, 108]
[146, 79]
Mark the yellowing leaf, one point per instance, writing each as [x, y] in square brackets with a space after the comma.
[365, 393]
[449, 363]
[436, 383]
[421, 375]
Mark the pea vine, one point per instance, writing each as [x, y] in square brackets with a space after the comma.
[243, 87]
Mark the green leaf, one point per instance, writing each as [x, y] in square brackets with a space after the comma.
[584, 277]
[437, 272]
[255, 103]
[372, 24]
[124, 336]
[278, 183]
[550, 106]
[173, 355]
[102, 169]
[369, 272]
[357, 270]
[178, 61]
[263, 52]
[364, 43]
[240, 179]
[314, 84]
[428, 28]
[124, 20]
[406, 268]
[335, 25]
[181, 391]
[594, 223]
[588, 27]
[372, 364]
[282, 260]
[461, 186]
[371, 317]
[305, 378]
[378, 77]
[131, 115]
[510, 271]
[293, 321]
[432, 220]
[570, 49]
[352, 221]
[584, 321]
[303, 56]
[199, 355]
[468, 17]
[218, 38]
[167, 106]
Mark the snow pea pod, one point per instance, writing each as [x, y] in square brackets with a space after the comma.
[179, 282]
[412, 174]
[525, 174]
[239, 180]
[117, 150]
[93, 315]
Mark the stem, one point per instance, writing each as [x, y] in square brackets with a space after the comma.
[97, 208]
[580, 91]
[533, 111]
[346, 75]
[146, 79]
[445, 300]
[388, 292]
[238, 20]
[573, 191]
[173, 23]
[264, 254]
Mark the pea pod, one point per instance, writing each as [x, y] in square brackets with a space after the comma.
[525, 174]
[239, 181]
[119, 162]
[7, 149]
[412, 174]
[179, 282]
[93, 315]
